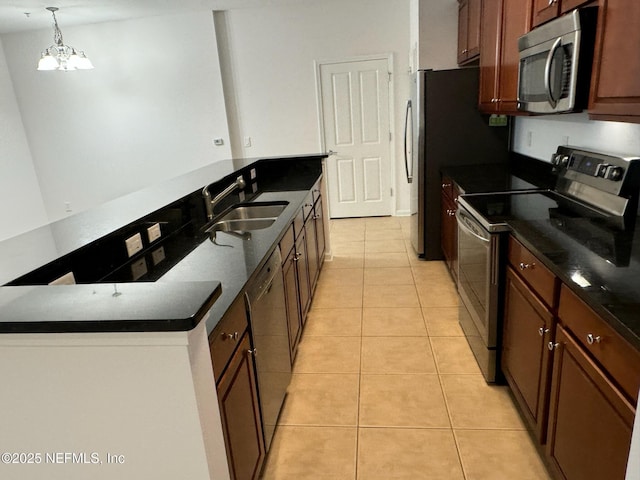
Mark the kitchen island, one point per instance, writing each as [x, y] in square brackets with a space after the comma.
[112, 377]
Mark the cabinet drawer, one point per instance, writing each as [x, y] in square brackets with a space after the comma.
[613, 352]
[447, 186]
[298, 223]
[286, 244]
[307, 206]
[532, 271]
[225, 337]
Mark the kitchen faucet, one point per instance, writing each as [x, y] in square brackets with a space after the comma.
[211, 204]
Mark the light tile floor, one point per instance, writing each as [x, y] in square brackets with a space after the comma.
[384, 383]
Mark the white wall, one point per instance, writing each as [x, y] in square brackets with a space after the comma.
[147, 112]
[272, 52]
[21, 205]
[547, 132]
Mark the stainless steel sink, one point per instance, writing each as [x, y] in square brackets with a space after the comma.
[248, 216]
[241, 225]
[256, 211]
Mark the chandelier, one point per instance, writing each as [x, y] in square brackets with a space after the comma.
[60, 56]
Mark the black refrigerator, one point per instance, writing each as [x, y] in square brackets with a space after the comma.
[443, 127]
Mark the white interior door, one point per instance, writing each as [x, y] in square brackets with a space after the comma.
[356, 121]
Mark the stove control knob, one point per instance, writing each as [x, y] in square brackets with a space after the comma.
[601, 169]
[613, 173]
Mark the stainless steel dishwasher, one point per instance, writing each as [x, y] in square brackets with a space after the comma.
[268, 317]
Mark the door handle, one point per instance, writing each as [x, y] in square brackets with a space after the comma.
[547, 72]
[408, 117]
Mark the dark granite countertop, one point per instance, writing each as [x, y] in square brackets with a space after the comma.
[521, 173]
[207, 279]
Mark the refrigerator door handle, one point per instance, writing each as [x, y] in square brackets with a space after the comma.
[408, 143]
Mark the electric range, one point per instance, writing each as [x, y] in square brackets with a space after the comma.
[593, 206]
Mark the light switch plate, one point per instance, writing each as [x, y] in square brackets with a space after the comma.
[153, 232]
[133, 244]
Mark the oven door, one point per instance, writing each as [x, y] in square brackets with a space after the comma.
[478, 272]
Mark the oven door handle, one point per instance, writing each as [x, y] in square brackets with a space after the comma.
[466, 229]
[547, 71]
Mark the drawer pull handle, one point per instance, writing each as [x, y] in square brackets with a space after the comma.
[253, 352]
[542, 331]
[297, 257]
[317, 217]
[451, 213]
[591, 339]
[525, 266]
[231, 336]
[446, 185]
[551, 346]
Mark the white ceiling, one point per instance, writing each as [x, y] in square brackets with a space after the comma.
[13, 16]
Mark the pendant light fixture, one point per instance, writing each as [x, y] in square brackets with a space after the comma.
[60, 56]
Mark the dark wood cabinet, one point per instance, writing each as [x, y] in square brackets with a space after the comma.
[320, 240]
[615, 89]
[240, 415]
[528, 327]
[545, 10]
[294, 318]
[590, 421]
[313, 261]
[503, 22]
[448, 226]
[234, 371]
[468, 30]
[302, 269]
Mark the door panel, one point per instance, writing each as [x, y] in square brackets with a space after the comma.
[372, 180]
[356, 120]
[346, 180]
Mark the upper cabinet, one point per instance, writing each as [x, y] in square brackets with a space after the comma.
[468, 30]
[615, 88]
[545, 10]
[503, 22]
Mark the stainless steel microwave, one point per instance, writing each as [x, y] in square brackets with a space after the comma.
[555, 63]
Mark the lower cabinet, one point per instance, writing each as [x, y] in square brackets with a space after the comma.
[449, 226]
[238, 394]
[590, 421]
[528, 327]
[240, 414]
[294, 317]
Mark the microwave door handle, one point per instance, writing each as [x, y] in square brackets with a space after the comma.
[408, 129]
[547, 71]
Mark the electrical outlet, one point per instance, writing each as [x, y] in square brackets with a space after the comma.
[218, 142]
[158, 255]
[66, 279]
[153, 232]
[253, 174]
[138, 269]
[133, 244]
[247, 141]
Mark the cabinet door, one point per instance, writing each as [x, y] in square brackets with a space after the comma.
[240, 415]
[615, 89]
[590, 421]
[294, 320]
[302, 270]
[516, 20]
[473, 29]
[312, 251]
[319, 218]
[490, 33]
[449, 233]
[544, 10]
[463, 22]
[525, 356]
